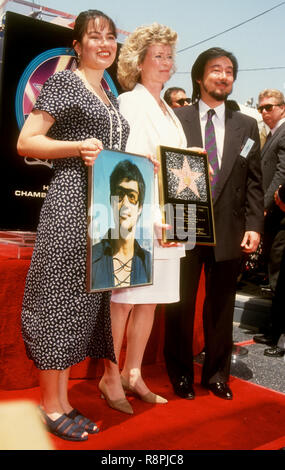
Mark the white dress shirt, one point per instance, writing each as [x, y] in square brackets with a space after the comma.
[277, 125]
[219, 125]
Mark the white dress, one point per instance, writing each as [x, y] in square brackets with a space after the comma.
[150, 127]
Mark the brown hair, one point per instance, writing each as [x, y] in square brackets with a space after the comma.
[82, 21]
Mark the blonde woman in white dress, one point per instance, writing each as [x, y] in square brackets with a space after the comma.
[146, 62]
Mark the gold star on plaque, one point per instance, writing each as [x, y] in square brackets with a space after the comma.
[187, 178]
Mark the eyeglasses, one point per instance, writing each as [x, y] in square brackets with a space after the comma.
[132, 195]
[183, 100]
[268, 107]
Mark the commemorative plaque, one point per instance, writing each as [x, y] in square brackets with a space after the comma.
[185, 197]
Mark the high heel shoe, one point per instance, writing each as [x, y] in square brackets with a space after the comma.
[120, 405]
[148, 397]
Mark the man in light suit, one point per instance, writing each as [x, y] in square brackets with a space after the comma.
[272, 107]
[238, 213]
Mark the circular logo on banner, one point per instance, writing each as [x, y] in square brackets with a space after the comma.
[38, 71]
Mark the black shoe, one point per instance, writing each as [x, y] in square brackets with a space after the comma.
[221, 390]
[274, 352]
[266, 293]
[263, 339]
[265, 285]
[264, 282]
[184, 389]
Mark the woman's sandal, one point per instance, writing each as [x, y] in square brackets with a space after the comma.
[64, 427]
[85, 423]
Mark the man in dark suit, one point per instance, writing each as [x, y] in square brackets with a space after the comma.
[238, 212]
[272, 107]
[278, 298]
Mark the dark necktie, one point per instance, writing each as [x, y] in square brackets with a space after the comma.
[211, 148]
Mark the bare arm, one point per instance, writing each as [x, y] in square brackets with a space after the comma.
[33, 141]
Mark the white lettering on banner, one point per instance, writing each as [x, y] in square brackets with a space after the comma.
[36, 194]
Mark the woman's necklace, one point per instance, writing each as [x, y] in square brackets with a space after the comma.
[119, 128]
[102, 96]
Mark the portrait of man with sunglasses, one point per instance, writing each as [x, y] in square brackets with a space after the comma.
[272, 107]
[118, 260]
[176, 97]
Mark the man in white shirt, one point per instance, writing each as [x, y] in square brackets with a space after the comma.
[271, 105]
[233, 146]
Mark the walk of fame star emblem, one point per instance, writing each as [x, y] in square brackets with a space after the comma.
[187, 178]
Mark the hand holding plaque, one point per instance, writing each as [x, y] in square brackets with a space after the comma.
[185, 196]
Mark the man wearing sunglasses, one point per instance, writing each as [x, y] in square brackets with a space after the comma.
[118, 260]
[272, 107]
[176, 97]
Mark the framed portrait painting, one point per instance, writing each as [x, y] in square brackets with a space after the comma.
[185, 196]
[120, 221]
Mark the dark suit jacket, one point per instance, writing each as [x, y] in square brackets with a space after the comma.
[238, 202]
[273, 171]
[273, 165]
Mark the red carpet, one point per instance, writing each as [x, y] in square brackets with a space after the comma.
[254, 419]
[16, 371]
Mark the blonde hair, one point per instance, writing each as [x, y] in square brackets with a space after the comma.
[135, 48]
[271, 93]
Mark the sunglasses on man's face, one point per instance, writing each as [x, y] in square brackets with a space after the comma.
[267, 107]
[183, 100]
[133, 196]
